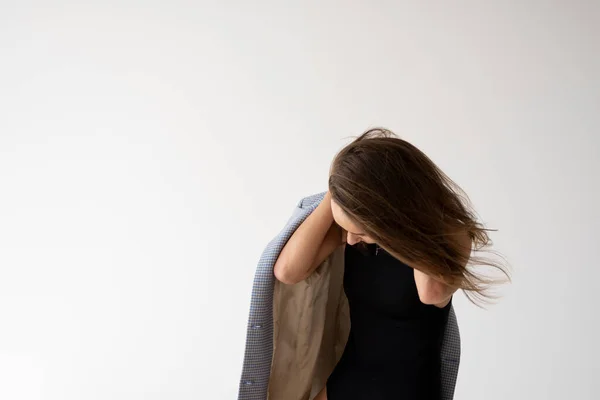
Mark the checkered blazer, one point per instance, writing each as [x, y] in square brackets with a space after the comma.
[259, 337]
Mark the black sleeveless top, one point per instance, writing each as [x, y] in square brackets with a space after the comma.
[393, 350]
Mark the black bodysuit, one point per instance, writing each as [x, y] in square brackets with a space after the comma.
[393, 350]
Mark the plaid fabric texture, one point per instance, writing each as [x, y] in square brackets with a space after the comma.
[259, 337]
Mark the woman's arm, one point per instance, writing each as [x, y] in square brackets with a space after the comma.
[435, 292]
[314, 240]
[431, 291]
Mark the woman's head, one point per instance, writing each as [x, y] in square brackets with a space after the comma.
[386, 191]
[354, 233]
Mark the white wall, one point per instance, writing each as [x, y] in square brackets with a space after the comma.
[149, 150]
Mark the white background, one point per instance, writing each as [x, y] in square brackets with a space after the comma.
[149, 150]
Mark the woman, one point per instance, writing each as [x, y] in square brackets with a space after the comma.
[408, 234]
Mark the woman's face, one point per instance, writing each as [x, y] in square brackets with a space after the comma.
[353, 233]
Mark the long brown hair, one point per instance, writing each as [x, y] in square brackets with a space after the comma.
[401, 199]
